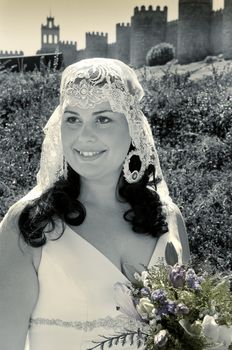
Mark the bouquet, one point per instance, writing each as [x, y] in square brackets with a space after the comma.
[177, 309]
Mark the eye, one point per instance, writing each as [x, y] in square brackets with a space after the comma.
[72, 120]
[103, 120]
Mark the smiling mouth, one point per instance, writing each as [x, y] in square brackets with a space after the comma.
[89, 154]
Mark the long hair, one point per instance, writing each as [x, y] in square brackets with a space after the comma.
[60, 204]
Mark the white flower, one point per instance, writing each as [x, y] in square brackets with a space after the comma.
[221, 336]
[144, 278]
[145, 307]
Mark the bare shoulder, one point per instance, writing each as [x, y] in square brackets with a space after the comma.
[10, 238]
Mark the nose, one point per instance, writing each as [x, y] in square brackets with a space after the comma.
[86, 134]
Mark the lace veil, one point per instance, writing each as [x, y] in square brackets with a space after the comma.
[85, 84]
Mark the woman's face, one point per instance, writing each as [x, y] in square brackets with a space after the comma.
[95, 141]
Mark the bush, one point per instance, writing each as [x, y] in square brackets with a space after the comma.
[192, 125]
[26, 102]
[160, 54]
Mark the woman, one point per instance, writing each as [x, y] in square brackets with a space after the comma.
[100, 206]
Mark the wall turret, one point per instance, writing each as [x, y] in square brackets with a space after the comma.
[69, 51]
[123, 33]
[227, 29]
[194, 28]
[148, 28]
[96, 44]
[217, 32]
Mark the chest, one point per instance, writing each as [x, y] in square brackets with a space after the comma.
[112, 236]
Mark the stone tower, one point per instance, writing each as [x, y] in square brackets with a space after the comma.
[227, 29]
[50, 36]
[194, 30]
[148, 28]
[96, 44]
[123, 32]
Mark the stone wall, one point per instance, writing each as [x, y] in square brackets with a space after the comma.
[216, 32]
[171, 34]
[96, 44]
[227, 29]
[123, 34]
[148, 28]
[194, 27]
[69, 51]
[11, 53]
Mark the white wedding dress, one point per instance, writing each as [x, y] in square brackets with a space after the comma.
[76, 300]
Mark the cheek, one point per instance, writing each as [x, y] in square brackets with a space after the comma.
[66, 139]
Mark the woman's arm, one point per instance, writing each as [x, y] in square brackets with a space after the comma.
[181, 234]
[18, 284]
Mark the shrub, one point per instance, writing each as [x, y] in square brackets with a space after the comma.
[160, 54]
[192, 125]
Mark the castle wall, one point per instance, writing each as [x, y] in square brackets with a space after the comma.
[112, 50]
[69, 51]
[194, 29]
[123, 34]
[148, 28]
[171, 34]
[11, 53]
[216, 33]
[96, 44]
[81, 55]
[227, 29]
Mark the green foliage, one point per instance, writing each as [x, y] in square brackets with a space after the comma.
[192, 126]
[160, 54]
[26, 102]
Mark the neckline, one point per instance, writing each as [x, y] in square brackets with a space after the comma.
[104, 256]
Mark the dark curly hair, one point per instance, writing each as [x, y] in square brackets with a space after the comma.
[61, 203]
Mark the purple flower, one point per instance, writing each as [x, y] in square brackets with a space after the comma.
[177, 276]
[182, 309]
[161, 338]
[168, 307]
[193, 281]
[159, 295]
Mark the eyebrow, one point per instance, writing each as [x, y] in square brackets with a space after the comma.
[94, 113]
[103, 111]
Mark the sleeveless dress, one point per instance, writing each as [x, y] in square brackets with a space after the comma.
[76, 300]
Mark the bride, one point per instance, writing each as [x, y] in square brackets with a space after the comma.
[100, 209]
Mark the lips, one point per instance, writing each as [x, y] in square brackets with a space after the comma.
[89, 155]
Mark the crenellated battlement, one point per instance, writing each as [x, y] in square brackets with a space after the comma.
[217, 13]
[11, 53]
[68, 43]
[123, 25]
[97, 34]
[143, 9]
[198, 26]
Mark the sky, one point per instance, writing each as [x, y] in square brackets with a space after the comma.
[20, 20]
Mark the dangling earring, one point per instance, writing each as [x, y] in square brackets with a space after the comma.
[134, 176]
[65, 169]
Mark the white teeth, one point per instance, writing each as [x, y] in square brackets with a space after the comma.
[89, 154]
